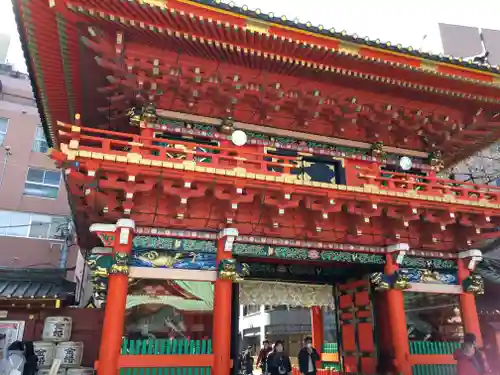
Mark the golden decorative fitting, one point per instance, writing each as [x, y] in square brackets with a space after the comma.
[146, 114]
[436, 160]
[429, 66]
[155, 3]
[379, 281]
[255, 26]
[473, 284]
[401, 282]
[377, 150]
[231, 270]
[120, 265]
[349, 48]
[227, 126]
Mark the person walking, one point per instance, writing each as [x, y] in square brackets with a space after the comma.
[263, 353]
[14, 360]
[470, 359]
[307, 357]
[278, 362]
[246, 362]
[31, 365]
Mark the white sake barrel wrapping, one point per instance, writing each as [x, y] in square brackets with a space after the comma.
[45, 351]
[46, 371]
[80, 371]
[57, 328]
[70, 353]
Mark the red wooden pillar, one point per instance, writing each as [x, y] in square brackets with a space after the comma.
[147, 132]
[397, 317]
[470, 318]
[118, 236]
[318, 331]
[221, 338]
[317, 328]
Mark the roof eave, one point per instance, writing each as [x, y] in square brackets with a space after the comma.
[320, 31]
[31, 72]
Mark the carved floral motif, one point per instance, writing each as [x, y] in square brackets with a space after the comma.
[107, 239]
[429, 263]
[259, 251]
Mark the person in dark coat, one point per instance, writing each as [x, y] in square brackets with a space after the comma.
[307, 357]
[262, 358]
[470, 359]
[31, 365]
[246, 362]
[278, 362]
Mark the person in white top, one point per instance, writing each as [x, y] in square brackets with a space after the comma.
[14, 361]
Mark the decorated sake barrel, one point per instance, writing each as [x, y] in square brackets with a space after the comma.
[57, 328]
[70, 353]
[46, 371]
[45, 351]
[80, 371]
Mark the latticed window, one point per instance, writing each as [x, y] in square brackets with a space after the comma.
[4, 124]
[40, 144]
[42, 183]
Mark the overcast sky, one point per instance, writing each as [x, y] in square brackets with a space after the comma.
[398, 21]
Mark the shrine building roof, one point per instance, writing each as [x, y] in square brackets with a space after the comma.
[332, 32]
[95, 58]
[39, 286]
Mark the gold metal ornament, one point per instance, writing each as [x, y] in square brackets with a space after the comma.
[379, 281]
[473, 284]
[436, 160]
[229, 269]
[120, 265]
[377, 150]
[146, 114]
[401, 282]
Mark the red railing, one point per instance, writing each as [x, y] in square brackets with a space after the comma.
[178, 151]
[253, 160]
[430, 185]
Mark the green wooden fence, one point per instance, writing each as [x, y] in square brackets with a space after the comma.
[434, 370]
[330, 347]
[433, 347]
[166, 347]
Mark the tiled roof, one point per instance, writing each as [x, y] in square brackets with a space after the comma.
[34, 284]
[343, 35]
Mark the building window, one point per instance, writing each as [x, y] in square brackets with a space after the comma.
[27, 224]
[40, 144]
[4, 124]
[42, 183]
[250, 309]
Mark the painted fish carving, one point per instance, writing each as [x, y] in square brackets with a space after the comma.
[159, 259]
